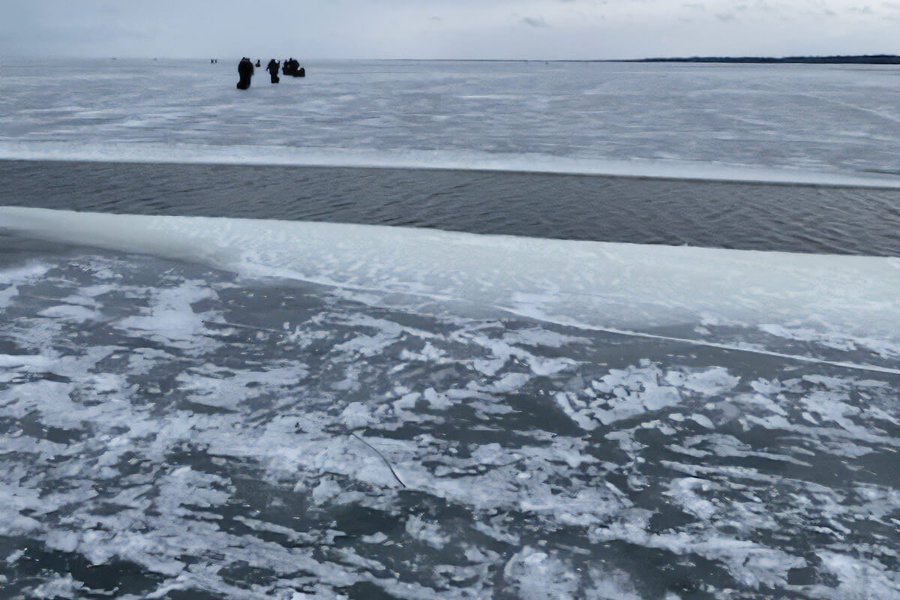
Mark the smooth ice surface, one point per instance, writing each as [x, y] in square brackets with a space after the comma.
[789, 123]
[639, 288]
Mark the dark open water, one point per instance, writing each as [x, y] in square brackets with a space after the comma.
[794, 218]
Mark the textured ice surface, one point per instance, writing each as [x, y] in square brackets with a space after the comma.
[172, 427]
[795, 123]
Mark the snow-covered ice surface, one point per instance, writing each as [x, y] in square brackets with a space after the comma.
[249, 409]
[789, 123]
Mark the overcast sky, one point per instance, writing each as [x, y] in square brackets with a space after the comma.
[542, 29]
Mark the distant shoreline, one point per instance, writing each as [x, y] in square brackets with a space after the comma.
[867, 59]
[860, 59]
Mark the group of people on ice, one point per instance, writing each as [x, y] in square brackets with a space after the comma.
[291, 67]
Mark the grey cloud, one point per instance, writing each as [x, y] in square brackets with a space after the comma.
[535, 21]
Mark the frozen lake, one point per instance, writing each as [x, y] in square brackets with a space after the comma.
[247, 381]
[757, 122]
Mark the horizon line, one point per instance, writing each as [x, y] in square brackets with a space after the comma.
[695, 57]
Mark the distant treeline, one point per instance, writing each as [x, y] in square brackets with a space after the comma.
[868, 59]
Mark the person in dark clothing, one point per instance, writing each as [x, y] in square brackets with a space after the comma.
[272, 68]
[245, 71]
[258, 63]
[293, 68]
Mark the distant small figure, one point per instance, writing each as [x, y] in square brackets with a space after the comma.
[245, 71]
[272, 68]
[292, 67]
[258, 63]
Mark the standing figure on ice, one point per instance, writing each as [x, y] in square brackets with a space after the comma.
[272, 68]
[245, 71]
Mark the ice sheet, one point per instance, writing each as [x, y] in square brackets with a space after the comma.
[626, 287]
[820, 124]
[207, 432]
